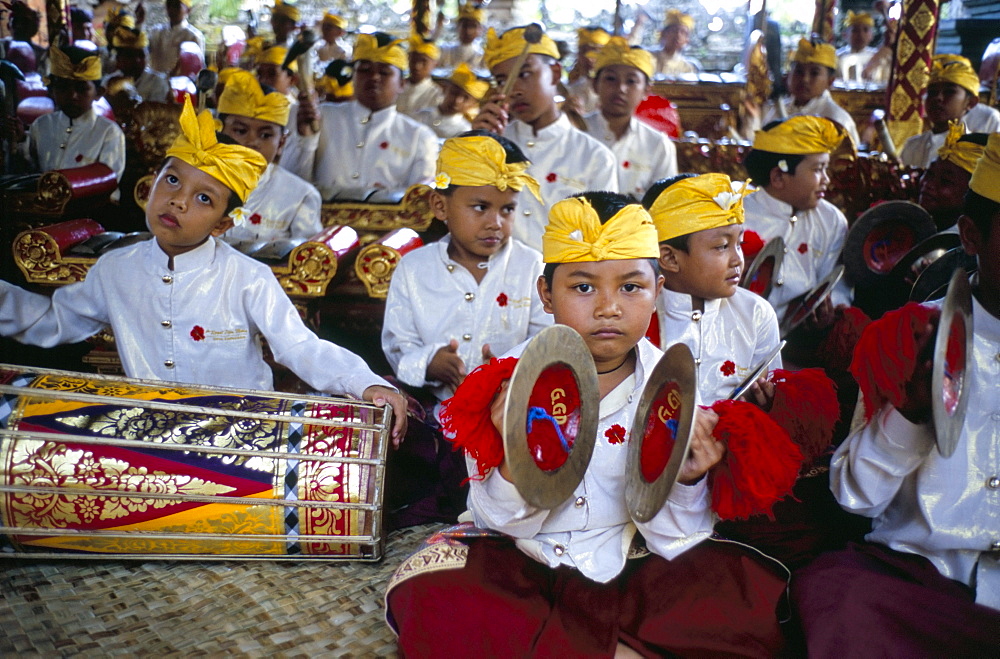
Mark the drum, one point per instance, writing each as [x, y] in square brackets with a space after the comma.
[98, 466]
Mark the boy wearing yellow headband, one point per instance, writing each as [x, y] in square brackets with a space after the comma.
[130, 48]
[282, 205]
[165, 40]
[642, 153]
[564, 160]
[944, 184]
[75, 135]
[471, 18]
[579, 84]
[420, 90]
[331, 47]
[284, 23]
[674, 38]
[853, 57]
[927, 579]
[366, 143]
[560, 581]
[462, 92]
[699, 225]
[272, 72]
[186, 307]
[789, 162]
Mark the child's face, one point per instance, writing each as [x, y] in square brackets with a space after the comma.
[942, 191]
[533, 95]
[131, 61]
[946, 101]
[282, 26]
[860, 37]
[468, 30]
[73, 97]
[620, 89]
[264, 137]
[479, 219]
[807, 81]
[331, 32]
[710, 268]
[185, 207]
[675, 38]
[275, 76]
[455, 100]
[376, 84]
[420, 66]
[806, 186]
[986, 249]
[608, 302]
[176, 11]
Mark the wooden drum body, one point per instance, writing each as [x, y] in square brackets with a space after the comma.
[95, 466]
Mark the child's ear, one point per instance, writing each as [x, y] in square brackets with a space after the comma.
[544, 294]
[971, 237]
[668, 259]
[777, 179]
[439, 206]
[556, 73]
[222, 226]
[281, 144]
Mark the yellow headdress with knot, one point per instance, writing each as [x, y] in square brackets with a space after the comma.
[276, 55]
[329, 18]
[986, 179]
[236, 167]
[575, 234]
[860, 18]
[62, 66]
[677, 17]
[815, 52]
[698, 203]
[243, 96]
[119, 16]
[618, 51]
[124, 37]
[480, 160]
[420, 45]
[470, 12]
[510, 44]
[366, 48]
[800, 135]
[283, 9]
[592, 36]
[955, 69]
[965, 154]
[466, 79]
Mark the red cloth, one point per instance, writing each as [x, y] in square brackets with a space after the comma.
[751, 246]
[714, 599]
[837, 349]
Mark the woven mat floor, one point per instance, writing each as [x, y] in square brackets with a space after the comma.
[288, 609]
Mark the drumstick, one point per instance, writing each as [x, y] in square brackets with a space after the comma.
[532, 34]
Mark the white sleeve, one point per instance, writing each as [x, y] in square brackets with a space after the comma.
[668, 167]
[113, 151]
[308, 220]
[496, 504]
[685, 519]
[304, 151]
[73, 313]
[402, 344]
[425, 161]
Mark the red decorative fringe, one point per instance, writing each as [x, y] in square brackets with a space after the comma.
[806, 406]
[752, 244]
[886, 355]
[465, 417]
[760, 466]
[837, 348]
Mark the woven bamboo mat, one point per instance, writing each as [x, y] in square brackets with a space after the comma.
[288, 609]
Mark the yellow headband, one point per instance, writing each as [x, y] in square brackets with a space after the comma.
[276, 55]
[282, 9]
[481, 160]
[510, 44]
[860, 18]
[243, 96]
[186, 3]
[955, 69]
[695, 204]
[800, 135]
[465, 78]
[964, 154]
[236, 167]
[597, 36]
[89, 68]
[332, 87]
[420, 45]
[575, 234]
[617, 51]
[124, 37]
[227, 73]
[986, 179]
[119, 17]
[820, 53]
[470, 12]
[366, 48]
[329, 18]
[677, 17]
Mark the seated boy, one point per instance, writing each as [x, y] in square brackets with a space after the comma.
[853, 57]
[130, 50]
[165, 40]
[564, 160]
[281, 205]
[75, 135]
[699, 224]
[470, 28]
[462, 92]
[944, 184]
[674, 38]
[788, 162]
[365, 143]
[561, 581]
[420, 90]
[927, 581]
[952, 91]
[186, 307]
[579, 81]
[642, 153]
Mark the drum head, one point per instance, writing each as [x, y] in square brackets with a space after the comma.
[757, 372]
[550, 419]
[661, 432]
[763, 272]
[797, 314]
[881, 237]
[952, 353]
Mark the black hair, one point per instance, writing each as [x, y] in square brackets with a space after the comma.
[607, 205]
[982, 211]
[383, 39]
[79, 16]
[975, 138]
[512, 151]
[234, 199]
[654, 192]
[77, 54]
[340, 70]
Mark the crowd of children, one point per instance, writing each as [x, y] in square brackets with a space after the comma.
[591, 227]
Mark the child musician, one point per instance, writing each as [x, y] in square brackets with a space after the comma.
[462, 92]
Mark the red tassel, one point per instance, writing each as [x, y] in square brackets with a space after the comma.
[760, 466]
[837, 348]
[886, 355]
[805, 404]
[465, 417]
[752, 244]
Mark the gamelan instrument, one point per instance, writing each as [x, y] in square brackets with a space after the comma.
[106, 467]
[763, 273]
[758, 371]
[952, 350]
[796, 314]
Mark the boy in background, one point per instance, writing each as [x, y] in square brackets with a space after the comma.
[462, 92]
[420, 90]
[165, 40]
[471, 18]
[131, 48]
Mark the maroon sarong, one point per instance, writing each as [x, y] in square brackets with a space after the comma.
[716, 599]
[872, 601]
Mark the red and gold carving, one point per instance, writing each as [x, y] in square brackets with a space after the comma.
[911, 66]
